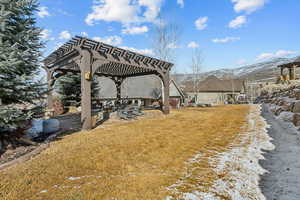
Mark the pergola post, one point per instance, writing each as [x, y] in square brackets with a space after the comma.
[86, 97]
[118, 85]
[50, 88]
[50, 81]
[166, 93]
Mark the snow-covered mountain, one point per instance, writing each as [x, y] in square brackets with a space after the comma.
[259, 71]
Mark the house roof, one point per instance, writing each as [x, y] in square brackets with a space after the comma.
[179, 90]
[214, 84]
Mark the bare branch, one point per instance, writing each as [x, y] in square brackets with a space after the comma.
[165, 40]
[196, 67]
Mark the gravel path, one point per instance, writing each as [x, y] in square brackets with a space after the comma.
[283, 181]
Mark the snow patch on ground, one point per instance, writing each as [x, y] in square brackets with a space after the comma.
[239, 168]
[195, 159]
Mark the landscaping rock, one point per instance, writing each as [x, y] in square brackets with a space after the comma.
[58, 107]
[51, 126]
[285, 107]
[296, 119]
[297, 94]
[36, 129]
[296, 108]
[278, 111]
[291, 107]
[286, 116]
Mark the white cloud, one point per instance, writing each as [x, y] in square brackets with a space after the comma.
[135, 30]
[45, 34]
[180, 3]
[124, 11]
[248, 6]
[140, 51]
[193, 45]
[265, 56]
[112, 40]
[152, 8]
[43, 12]
[238, 22]
[84, 34]
[280, 53]
[65, 35]
[201, 23]
[225, 40]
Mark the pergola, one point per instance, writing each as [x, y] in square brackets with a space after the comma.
[291, 67]
[89, 58]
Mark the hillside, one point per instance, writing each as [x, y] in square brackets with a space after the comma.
[259, 71]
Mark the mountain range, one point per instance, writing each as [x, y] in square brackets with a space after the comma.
[262, 71]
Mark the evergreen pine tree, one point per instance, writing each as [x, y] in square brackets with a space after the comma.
[69, 89]
[19, 61]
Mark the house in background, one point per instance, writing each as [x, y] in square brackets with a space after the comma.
[177, 97]
[143, 90]
[214, 91]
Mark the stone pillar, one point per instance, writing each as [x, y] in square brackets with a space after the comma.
[86, 97]
[166, 93]
[293, 75]
[281, 71]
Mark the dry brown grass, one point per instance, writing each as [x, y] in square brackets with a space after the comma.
[135, 160]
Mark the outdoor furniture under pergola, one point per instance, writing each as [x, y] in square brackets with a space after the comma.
[291, 67]
[89, 58]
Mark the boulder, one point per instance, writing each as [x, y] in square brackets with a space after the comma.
[286, 116]
[296, 119]
[36, 129]
[285, 107]
[51, 126]
[58, 107]
[278, 111]
[73, 109]
[291, 107]
[296, 108]
[297, 94]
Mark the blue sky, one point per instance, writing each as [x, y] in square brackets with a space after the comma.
[229, 33]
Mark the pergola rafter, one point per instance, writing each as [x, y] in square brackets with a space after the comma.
[89, 57]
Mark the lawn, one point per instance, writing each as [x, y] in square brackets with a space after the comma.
[135, 160]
